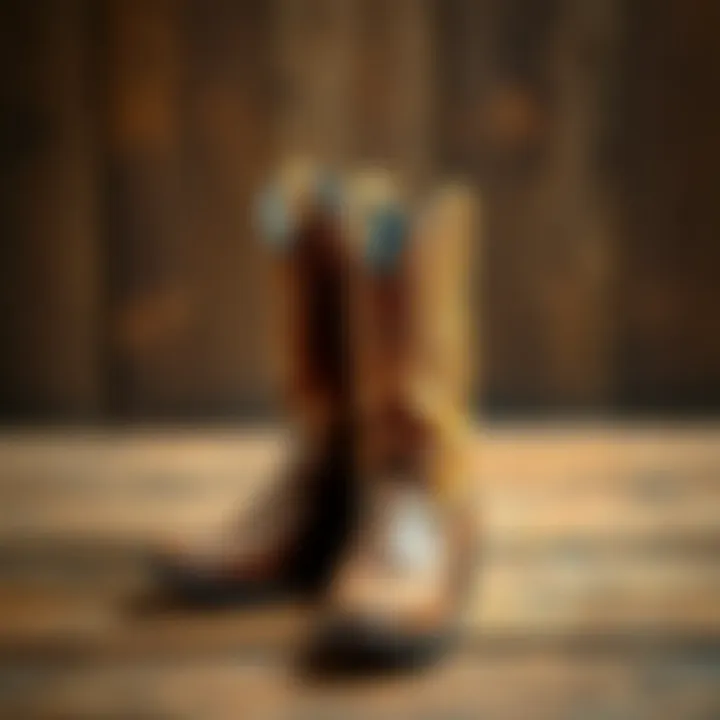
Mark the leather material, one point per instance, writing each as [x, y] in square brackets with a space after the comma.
[404, 580]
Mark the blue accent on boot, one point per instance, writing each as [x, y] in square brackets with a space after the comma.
[273, 219]
[388, 231]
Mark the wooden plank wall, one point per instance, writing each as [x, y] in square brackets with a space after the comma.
[189, 134]
[134, 132]
[521, 111]
[667, 151]
[49, 252]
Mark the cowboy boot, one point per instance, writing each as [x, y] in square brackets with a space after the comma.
[287, 541]
[397, 596]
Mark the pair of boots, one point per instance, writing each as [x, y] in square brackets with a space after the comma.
[374, 518]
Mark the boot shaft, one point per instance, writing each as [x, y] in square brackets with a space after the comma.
[300, 220]
[411, 311]
[373, 317]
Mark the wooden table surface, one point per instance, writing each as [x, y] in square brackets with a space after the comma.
[598, 595]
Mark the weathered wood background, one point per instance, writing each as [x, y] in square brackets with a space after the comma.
[133, 133]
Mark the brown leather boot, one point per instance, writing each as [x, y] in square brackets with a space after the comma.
[287, 542]
[397, 596]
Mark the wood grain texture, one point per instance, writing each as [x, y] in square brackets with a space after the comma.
[666, 153]
[393, 92]
[134, 134]
[570, 613]
[521, 111]
[559, 686]
[189, 139]
[599, 531]
[315, 46]
[150, 305]
[50, 284]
